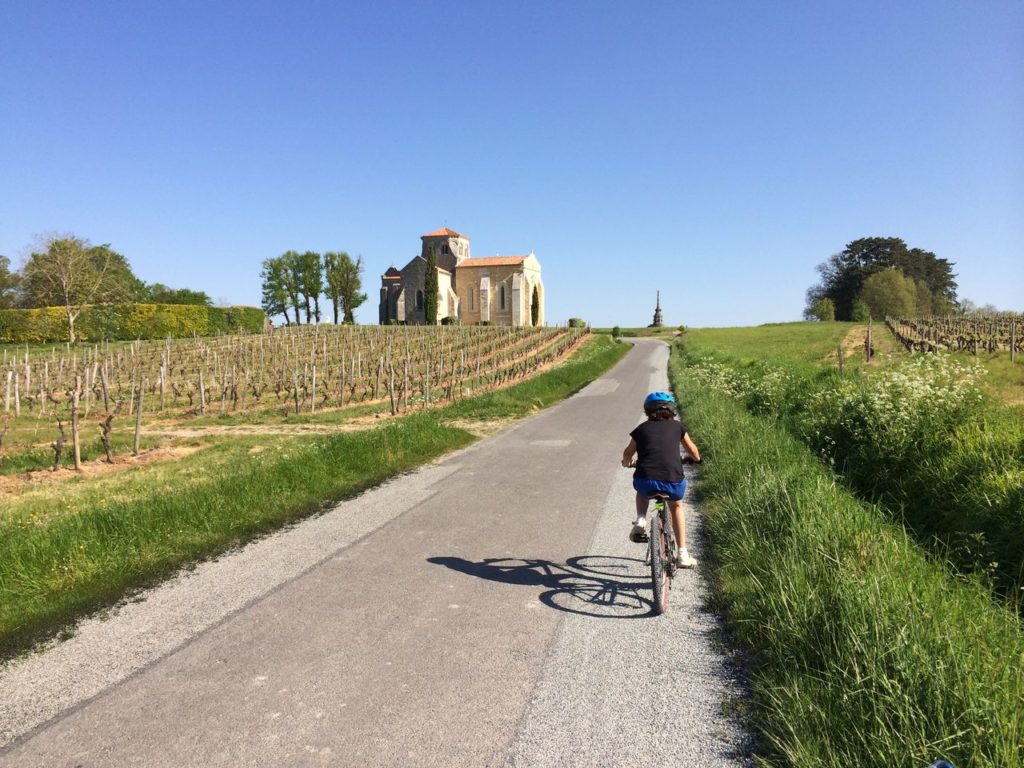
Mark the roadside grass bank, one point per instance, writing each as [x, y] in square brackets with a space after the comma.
[58, 563]
[919, 436]
[864, 649]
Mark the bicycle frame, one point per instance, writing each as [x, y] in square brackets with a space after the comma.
[661, 553]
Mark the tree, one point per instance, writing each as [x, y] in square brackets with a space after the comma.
[275, 288]
[338, 270]
[8, 284]
[843, 275]
[291, 276]
[311, 282]
[349, 281]
[924, 302]
[535, 307]
[860, 313]
[890, 293]
[71, 274]
[824, 309]
[430, 288]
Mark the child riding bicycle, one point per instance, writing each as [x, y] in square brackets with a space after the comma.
[659, 467]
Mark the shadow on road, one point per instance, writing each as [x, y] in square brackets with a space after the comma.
[591, 585]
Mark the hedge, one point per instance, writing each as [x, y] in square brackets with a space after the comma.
[127, 321]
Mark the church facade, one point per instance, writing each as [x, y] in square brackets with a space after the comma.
[496, 290]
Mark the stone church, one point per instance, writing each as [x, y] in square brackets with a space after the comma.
[499, 290]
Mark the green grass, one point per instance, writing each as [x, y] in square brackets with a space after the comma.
[75, 547]
[913, 434]
[864, 650]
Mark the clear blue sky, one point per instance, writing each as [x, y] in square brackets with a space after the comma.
[717, 151]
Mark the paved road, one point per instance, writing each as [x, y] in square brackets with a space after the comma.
[487, 610]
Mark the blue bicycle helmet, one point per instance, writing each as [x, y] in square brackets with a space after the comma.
[658, 400]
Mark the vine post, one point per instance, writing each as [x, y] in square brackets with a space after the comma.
[138, 418]
[76, 443]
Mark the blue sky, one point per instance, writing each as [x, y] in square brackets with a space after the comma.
[715, 151]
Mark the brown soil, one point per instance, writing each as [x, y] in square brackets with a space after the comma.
[12, 484]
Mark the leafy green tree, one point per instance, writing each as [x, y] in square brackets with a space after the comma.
[291, 274]
[844, 273]
[336, 264]
[72, 274]
[824, 309]
[860, 313]
[889, 293]
[535, 307]
[924, 302]
[345, 282]
[311, 282]
[430, 288]
[275, 288]
[8, 284]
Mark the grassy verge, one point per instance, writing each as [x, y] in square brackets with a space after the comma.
[60, 559]
[865, 650]
[918, 436]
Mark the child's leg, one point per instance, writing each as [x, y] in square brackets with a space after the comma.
[641, 504]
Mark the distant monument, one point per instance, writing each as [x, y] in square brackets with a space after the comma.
[657, 314]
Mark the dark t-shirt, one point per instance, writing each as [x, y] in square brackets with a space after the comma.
[657, 444]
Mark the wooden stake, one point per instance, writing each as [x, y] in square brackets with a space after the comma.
[138, 418]
[75, 441]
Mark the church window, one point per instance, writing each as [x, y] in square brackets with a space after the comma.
[471, 298]
[419, 300]
[501, 296]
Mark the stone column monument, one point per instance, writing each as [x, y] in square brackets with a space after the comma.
[657, 314]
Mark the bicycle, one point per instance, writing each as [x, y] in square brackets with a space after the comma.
[662, 550]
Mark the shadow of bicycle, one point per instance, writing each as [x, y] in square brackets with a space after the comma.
[590, 585]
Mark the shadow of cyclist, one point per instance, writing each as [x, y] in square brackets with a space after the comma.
[592, 585]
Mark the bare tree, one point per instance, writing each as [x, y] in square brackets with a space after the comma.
[72, 274]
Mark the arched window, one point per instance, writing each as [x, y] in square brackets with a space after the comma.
[419, 300]
[470, 298]
[501, 296]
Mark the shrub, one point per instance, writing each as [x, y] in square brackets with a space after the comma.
[577, 322]
[127, 321]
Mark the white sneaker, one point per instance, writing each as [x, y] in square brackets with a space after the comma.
[639, 532]
[684, 560]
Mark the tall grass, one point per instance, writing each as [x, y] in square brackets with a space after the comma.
[919, 437]
[60, 560]
[865, 650]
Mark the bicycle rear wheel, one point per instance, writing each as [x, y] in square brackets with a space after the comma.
[660, 579]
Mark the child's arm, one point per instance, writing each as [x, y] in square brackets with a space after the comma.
[629, 453]
[691, 447]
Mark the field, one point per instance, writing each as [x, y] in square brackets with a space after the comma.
[862, 522]
[74, 541]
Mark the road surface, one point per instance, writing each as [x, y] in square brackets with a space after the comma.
[486, 610]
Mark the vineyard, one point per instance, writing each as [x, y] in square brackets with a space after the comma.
[999, 333]
[299, 370]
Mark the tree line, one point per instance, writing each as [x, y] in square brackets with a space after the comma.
[69, 272]
[294, 283]
[880, 276]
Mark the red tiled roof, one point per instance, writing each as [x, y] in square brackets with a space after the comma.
[443, 232]
[494, 261]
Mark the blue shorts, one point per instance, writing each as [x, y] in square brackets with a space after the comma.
[648, 488]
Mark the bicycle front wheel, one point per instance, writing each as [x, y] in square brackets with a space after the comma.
[660, 579]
